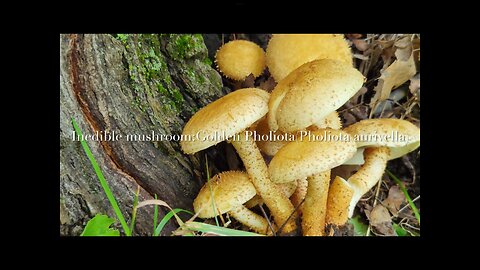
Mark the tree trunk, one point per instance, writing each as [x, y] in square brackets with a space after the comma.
[130, 84]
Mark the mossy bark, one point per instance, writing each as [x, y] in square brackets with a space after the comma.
[130, 84]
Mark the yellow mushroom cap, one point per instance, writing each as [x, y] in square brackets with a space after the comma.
[226, 116]
[239, 58]
[399, 135]
[306, 157]
[310, 93]
[286, 52]
[230, 190]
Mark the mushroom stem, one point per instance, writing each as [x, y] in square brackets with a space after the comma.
[314, 208]
[369, 174]
[339, 198]
[279, 204]
[300, 192]
[250, 219]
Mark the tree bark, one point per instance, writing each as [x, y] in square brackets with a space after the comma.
[130, 84]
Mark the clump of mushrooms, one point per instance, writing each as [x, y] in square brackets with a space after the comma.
[231, 115]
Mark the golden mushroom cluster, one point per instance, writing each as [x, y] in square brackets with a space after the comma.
[315, 77]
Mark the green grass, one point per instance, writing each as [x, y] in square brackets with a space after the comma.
[103, 182]
[221, 231]
[166, 218]
[407, 196]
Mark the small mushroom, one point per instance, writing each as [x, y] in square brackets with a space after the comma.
[379, 140]
[228, 118]
[230, 191]
[310, 93]
[238, 59]
[286, 52]
[312, 159]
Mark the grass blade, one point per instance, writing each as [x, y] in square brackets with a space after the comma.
[409, 200]
[211, 192]
[155, 216]
[166, 218]
[221, 231]
[102, 180]
[134, 210]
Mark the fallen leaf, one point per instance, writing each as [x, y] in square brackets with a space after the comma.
[414, 84]
[381, 220]
[249, 81]
[268, 85]
[361, 44]
[395, 75]
[394, 199]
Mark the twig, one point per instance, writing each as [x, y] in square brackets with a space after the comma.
[403, 208]
[289, 217]
[268, 220]
[377, 192]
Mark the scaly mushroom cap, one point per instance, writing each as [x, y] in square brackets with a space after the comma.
[310, 93]
[239, 58]
[404, 136]
[330, 121]
[230, 190]
[227, 116]
[304, 158]
[287, 52]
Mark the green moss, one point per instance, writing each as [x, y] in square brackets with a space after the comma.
[150, 76]
[122, 37]
[185, 46]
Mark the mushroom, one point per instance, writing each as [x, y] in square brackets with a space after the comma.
[285, 188]
[379, 140]
[339, 198]
[312, 159]
[238, 59]
[230, 191]
[286, 52]
[310, 93]
[229, 117]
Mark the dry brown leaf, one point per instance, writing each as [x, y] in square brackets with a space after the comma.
[394, 199]
[268, 85]
[380, 220]
[361, 44]
[414, 84]
[395, 75]
[249, 81]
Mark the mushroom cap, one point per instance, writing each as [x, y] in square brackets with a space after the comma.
[310, 93]
[239, 58]
[404, 136]
[286, 52]
[230, 189]
[226, 116]
[332, 121]
[304, 158]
